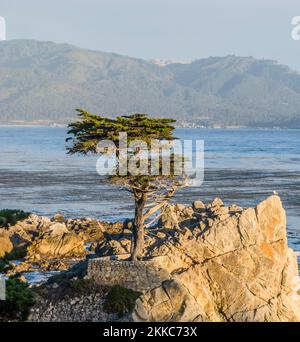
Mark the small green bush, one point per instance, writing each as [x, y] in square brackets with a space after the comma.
[10, 217]
[3, 265]
[120, 300]
[80, 285]
[16, 254]
[19, 299]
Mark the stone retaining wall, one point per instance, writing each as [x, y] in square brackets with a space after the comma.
[139, 276]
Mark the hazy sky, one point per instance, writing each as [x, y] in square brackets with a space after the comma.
[168, 29]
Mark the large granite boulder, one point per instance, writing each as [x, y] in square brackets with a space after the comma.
[233, 264]
[25, 231]
[56, 242]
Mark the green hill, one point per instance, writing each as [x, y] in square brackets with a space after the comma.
[47, 81]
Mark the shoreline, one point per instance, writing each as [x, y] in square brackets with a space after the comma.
[235, 128]
[185, 244]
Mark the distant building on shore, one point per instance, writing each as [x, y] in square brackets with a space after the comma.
[2, 29]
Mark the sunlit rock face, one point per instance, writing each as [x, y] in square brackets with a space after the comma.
[227, 264]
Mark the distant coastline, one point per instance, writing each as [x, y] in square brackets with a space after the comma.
[215, 92]
[33, 124]
[188, 125]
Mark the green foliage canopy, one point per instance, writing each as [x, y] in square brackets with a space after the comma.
[91, 129]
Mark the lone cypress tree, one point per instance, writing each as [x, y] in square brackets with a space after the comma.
[150, 191]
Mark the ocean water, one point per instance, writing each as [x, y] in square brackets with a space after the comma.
[242, 166]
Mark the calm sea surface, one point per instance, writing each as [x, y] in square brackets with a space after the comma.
[241, 166]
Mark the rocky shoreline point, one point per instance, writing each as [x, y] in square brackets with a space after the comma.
[224, 264]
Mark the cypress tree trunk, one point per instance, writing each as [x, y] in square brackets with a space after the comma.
[137, 243]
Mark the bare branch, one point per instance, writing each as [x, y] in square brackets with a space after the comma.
[154, 210]
[153, 220]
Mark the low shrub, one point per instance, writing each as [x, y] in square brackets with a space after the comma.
[3, 265]
[120, 300]
[80, 285]
[19, 299]
[9, 217]
[16, 254]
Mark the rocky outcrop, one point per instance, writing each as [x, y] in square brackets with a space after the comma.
[5, 244]
[227, 264]
[56, 242]
[86, 228]
[25, 231]
[219, 263]
[42, 242]
[173, 214]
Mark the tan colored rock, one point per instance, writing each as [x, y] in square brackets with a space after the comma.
[217, 202]
[198, 205]
[24, 232]
[53, 244]
[179, 207]
[112, 228]
[22, 279]
[173, 215]
[160, 235]
[173, 302]
[113, 247]
[239, 269]
[59, 218]
[35, 222]
[87, 229]
[5, 244]
[169, 217]
[271, 219]
[235, 208]
[58, 229]
[186, 213]
[220, 211]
